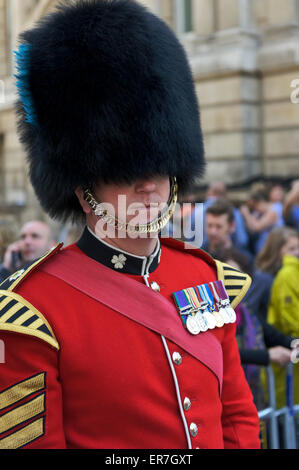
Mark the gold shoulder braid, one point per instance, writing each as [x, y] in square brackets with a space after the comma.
[20, 316]
[236, 283]
[152, 227]
[23, 403]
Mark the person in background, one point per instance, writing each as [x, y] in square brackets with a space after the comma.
[276, 193]
[217, 190]
[35, 240]
[219, 226]
[283, 313]
[276, 197]
[281, 241]
[291, 206]
[260, 344]
[261, 216]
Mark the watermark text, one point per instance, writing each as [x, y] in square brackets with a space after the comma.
[295, 93]
[295, 351]
[130, 220]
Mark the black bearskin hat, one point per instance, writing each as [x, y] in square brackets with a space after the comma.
[106, 93]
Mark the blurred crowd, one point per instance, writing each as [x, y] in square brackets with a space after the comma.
[259, 237]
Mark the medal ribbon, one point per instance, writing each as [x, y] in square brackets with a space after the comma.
[215, 292]
[189, 297]
[193, 296]
[206, 295]
[199, 296]
[181, 300]
[221, 290]
[183, 304]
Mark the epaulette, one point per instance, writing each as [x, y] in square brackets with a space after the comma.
[236, 283]
[17, 314]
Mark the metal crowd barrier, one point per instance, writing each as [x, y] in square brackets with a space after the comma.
[268, 415]
[284, 419]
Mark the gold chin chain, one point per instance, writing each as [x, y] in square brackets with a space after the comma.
[152, 227]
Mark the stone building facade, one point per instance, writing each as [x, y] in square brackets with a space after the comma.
[245, 59]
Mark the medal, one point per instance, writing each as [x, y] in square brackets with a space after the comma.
[225, 300]
[202, 323]
[204, 307]
[183, 305]
[207, 296]
[219, 304]
[210, 318]
[186, 310]
[192, 325]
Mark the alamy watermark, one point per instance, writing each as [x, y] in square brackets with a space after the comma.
[186, 222]
[295, 93]
[295, 351]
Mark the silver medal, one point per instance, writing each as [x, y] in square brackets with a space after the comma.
[232, 314]
[219, 319]
[210, 319]
[203, 325]
[192, 325]
[230, 311]
[207, 315]
[224, 313]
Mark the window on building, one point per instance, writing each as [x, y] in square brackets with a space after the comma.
[183, 16]
[188, 15]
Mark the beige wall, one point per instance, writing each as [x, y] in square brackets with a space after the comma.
[227, 14]
[243, 72]
[273, 12]
[244, 55]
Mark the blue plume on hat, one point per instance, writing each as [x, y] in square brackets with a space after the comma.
[22, 56]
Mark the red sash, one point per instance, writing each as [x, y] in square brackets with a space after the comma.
[135, 301]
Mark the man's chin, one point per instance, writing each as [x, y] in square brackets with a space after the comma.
[29, 257]
[216, 244]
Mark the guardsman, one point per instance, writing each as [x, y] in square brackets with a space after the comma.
[124, 339]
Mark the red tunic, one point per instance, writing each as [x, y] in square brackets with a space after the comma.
[113, 383]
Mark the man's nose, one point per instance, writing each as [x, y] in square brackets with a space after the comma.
[146, 186]
[213, 231]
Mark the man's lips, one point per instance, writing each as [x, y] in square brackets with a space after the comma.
[141, 205]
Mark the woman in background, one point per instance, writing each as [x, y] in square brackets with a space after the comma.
[261, 216]
[281, 241]
[283, 313]
[260, 344]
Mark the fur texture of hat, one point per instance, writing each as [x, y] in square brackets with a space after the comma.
[106, 93]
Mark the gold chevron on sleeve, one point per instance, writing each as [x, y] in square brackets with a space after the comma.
[24, 436]
[19, 316]
[22, 413]
[22, 390]
[236, 283]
